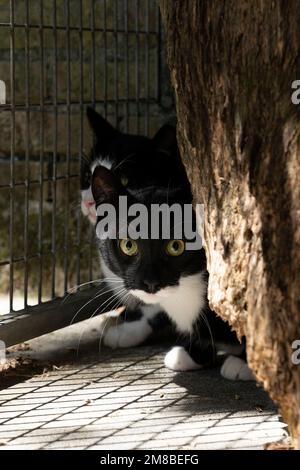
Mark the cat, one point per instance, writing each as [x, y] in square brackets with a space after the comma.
[138, 161]
[158, 287]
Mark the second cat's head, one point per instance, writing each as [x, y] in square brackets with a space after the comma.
[138, 161]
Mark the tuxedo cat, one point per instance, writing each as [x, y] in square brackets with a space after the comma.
[139, 162]
[159, 279]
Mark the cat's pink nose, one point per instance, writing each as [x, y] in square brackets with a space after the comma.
[89, 203]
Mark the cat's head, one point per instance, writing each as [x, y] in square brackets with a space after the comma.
[149, 268]
[137, 161]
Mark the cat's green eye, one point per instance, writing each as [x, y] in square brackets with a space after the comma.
[175, 247]
[124, 180]
[128, 246]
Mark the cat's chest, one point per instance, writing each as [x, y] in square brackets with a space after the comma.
[183, 303]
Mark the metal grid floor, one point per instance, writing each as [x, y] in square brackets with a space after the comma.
[127, 399]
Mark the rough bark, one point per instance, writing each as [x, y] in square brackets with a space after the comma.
[232, 64]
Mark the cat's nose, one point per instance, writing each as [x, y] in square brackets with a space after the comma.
[89, 202]
[151, 286]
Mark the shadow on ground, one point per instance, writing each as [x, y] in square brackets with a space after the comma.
[83, 398]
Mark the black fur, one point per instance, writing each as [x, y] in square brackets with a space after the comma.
[143, 161]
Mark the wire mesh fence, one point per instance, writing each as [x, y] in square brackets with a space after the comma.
[57, 57]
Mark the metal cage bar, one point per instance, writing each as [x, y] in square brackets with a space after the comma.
[41, 172]
[53, 187]
[80, 147]
[27, 154]
[68, 147]
[126, 67]
[12, 153]
[62, 28]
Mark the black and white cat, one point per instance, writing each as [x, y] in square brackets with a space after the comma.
[139, 162]
[158, 279]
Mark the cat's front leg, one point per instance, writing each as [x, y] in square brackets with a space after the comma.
[127, 333]
[178, 359]
[135, 327]
[189, 356]
[235, 368]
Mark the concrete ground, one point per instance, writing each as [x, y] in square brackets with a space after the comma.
[70, 395]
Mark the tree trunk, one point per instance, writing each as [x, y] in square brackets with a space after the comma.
[232, 65]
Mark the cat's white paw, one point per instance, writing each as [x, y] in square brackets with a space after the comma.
[179, 360]
[234, 368]
[127, 334]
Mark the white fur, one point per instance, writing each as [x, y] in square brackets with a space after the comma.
[102, 161]
[182, 303]
[127, 334]
[178, 359]
[234, 368]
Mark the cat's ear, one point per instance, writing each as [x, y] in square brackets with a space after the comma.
[102, 129]
[105, 186]
[165, 139]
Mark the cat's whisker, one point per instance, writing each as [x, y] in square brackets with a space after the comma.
[123, 161]
[203, 316]
[109, 301]
[103, 328]
[190, 340]
[92, 316]
[122, 301]
[74, 288]
[75, 204]
[84, 158]
[119, 302]
[197, 331]
[89, 301]
[99, 280]
[102, 334]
